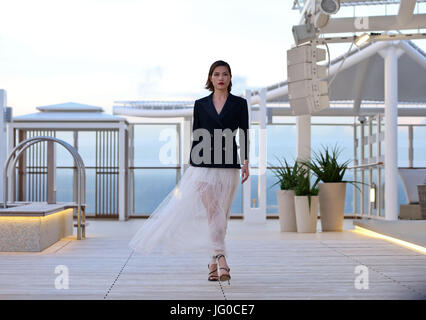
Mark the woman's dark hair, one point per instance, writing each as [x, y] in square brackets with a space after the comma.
[218, 63]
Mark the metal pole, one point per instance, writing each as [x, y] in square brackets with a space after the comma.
[370, 170]
[262, 156]
[354, 190]
[362, 157]
[379, 170]
[303, 127]
[246, 187]
[51, 170]
[121, 173]
[391, 134]
[410, 146]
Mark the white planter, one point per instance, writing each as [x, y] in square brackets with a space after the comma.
[332, 205]
[286, 211]
[306, 216]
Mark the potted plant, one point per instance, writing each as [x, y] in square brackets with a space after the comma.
[287, 179]
[332, 190]
[306, 203]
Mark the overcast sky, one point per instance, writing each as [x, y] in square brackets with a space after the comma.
[100, 51]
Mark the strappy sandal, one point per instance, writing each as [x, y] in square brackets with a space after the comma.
[224, 276]
[213, 273]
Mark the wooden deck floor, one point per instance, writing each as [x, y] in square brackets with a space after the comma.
[265, 264]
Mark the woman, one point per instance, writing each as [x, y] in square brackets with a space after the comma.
[194, 215]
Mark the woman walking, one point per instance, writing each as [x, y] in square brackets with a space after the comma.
[195, 214]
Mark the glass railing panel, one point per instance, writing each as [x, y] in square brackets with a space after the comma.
[155, 145]
[419, 146]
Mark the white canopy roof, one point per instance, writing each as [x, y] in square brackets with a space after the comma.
[70, 107]
[69, 112]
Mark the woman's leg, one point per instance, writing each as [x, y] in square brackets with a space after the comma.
[216, 216]
[217, 199]
[217, 221]
[231, 195]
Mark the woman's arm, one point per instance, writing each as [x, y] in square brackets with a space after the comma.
[244, 134]
[196, 119]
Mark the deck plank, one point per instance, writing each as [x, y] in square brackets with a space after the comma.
[265, 264]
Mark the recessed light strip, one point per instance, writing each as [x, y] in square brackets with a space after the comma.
[403, 243]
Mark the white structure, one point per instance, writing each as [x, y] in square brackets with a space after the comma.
[385, 72]
[317, 18]
[405, 19]
[257, 214]
[392, 72]
[369, 74]
[112, 131]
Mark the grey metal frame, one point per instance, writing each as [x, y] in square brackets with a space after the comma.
[375, 163]
[106, 170]
[369, 163]
[81, 171]
[37, 156]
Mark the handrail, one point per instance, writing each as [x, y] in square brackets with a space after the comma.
[43, 138]
[81, 172]
[361, 166]
[14, 165]
[36, 141]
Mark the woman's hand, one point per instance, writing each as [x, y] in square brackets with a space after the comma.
[245, 171]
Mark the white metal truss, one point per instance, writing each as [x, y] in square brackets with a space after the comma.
[299, 4]
[312, 16]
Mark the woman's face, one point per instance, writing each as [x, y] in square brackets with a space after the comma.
[220, 78]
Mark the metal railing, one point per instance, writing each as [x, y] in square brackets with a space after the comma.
[81, 173]
[377, 190]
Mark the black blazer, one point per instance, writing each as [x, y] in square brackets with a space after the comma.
[223, 154]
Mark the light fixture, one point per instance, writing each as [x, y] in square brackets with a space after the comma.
[321, 20]
[362, 39]
[303, 33]
[330, 6]
[373, 195]
[321, 16]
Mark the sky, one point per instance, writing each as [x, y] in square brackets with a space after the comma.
[100, 51]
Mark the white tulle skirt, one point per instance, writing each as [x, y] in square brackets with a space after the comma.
[193, 217]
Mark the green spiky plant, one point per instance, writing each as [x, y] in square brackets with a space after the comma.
[287, 175]
[326, 167]
[303, 186]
